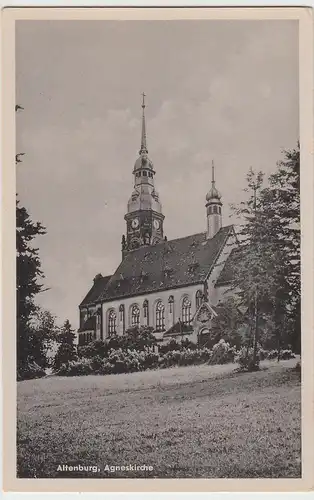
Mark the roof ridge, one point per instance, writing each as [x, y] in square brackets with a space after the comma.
[184, 237]
[195, 234]
[129, 272]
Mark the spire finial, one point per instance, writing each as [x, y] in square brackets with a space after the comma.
[213, 174]
[143, 137]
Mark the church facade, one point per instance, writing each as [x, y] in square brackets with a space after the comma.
[172, 286]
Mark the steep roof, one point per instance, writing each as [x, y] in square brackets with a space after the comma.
[98, 287]
[178, 328]
[226, 275]
[170, 264]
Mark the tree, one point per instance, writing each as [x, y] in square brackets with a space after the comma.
[66, 351]
[253, 281]
[266, 266]
[229, 324]
[29, 274]
[280, 202]
[43, 336]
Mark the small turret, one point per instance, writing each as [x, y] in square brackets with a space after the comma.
[213, 208]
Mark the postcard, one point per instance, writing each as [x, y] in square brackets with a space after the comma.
[158, 249]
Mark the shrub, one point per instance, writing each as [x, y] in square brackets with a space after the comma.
[81, 366]
[65, 353]
[245, 359]
[284, 354]
[205, 354]
[136, 337]
[273, 354]
[185, 357]
[64, 370]
[189, 357]
[95, 348]
[222, 353]
[263, 354]
[287, 354]
[102, 366]
[149, 360]
[170, 358]
[97, 363]
[30, 370]
[172, 345]
[187, 344]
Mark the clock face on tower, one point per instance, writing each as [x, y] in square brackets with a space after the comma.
[156, 224]
[135, 223]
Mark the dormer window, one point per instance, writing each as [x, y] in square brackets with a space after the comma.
[144, 276]
[168, 272]
[193, 267]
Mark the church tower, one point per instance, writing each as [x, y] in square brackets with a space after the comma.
[213, 208]
[144, 218]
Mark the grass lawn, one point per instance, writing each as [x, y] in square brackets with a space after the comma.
[196, 421]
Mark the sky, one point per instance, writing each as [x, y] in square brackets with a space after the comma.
[216, 90]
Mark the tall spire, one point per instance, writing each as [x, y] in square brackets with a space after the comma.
[143, 137]
[213, 174]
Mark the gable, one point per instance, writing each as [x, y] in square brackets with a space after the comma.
[204, 314]
[167, 265]
[93, 294]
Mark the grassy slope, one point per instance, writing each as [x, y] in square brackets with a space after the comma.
[198, 421]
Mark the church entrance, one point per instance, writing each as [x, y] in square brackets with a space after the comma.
[203, 337]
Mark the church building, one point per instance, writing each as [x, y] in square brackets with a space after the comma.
[172, 286]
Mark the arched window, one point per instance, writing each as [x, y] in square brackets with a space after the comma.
[186, 311]
[210, 210]
[122, 317]
[112, 323]
[171, 310]
[215, 209]
[198, 298]
[135, 315]
[160, 316]
[170, 301]
[145, 310]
